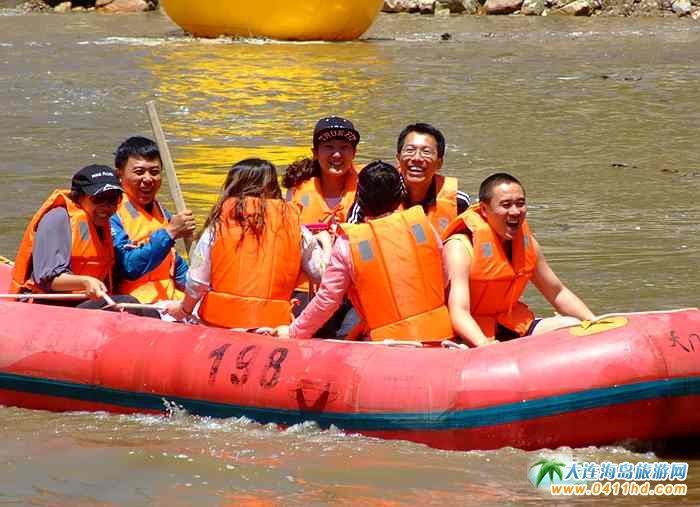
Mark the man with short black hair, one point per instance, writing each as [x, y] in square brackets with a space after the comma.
[420, 151]
[144, 233]
[490, 257]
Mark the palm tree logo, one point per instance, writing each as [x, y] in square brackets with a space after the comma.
[549, 467]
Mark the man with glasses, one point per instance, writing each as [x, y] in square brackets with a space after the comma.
[67, 246]
[143, 231]
[420, 150]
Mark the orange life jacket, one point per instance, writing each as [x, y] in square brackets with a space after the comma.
[314, 208]
[139, 225]
[495, 283]
[399, 289]
[444, 210]
[90, 254]
[252, 281]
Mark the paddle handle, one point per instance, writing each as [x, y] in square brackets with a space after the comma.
[65, 296]
[167, 160]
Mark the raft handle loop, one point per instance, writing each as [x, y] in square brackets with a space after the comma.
[399, 343]
[312, 394]
[449, 344]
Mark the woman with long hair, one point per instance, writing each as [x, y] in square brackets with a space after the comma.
[251, 251]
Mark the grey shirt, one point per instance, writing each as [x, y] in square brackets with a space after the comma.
[51, 252]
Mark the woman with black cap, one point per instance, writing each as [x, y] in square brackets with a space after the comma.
[325, 184]
[67, 246]
[325, 187]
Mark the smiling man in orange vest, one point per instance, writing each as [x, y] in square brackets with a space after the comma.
[420, 152]
[144, 233]
[490, 256]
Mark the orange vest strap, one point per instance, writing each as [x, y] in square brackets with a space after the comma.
[445, 209]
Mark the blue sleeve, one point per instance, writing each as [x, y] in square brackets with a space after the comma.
[181, 266]
[133, 263]
[181, 269]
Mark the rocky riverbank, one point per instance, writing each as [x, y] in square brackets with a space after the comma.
[689, 8]
[113, 6]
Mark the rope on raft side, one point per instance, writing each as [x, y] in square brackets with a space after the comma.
[5, 260]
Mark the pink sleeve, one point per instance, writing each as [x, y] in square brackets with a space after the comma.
[334, 285]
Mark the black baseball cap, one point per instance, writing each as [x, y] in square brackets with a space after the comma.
[335, 127]
[95, 179]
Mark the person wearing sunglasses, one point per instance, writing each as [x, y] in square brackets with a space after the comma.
[67, 246]
[420, 150]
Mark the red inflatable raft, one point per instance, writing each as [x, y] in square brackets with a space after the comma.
[636, 376]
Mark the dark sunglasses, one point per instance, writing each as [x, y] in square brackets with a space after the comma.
[111, 198]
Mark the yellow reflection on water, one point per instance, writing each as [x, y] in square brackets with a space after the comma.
[201, 185]
[220, 103]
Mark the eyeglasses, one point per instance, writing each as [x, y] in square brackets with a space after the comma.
[106, 198]
[425, 151]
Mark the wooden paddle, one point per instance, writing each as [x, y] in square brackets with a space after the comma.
[173, 183]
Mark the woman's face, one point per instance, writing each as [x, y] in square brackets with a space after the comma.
[100, 207]
[335, 157]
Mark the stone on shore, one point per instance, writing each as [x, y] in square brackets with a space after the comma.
[426, 6]
[532, 7]
[577, 8]
[63, 7]
[400, 6]
[502, 6]
[460, 6]
[441, 9]
[681, 7]
[116, 6]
